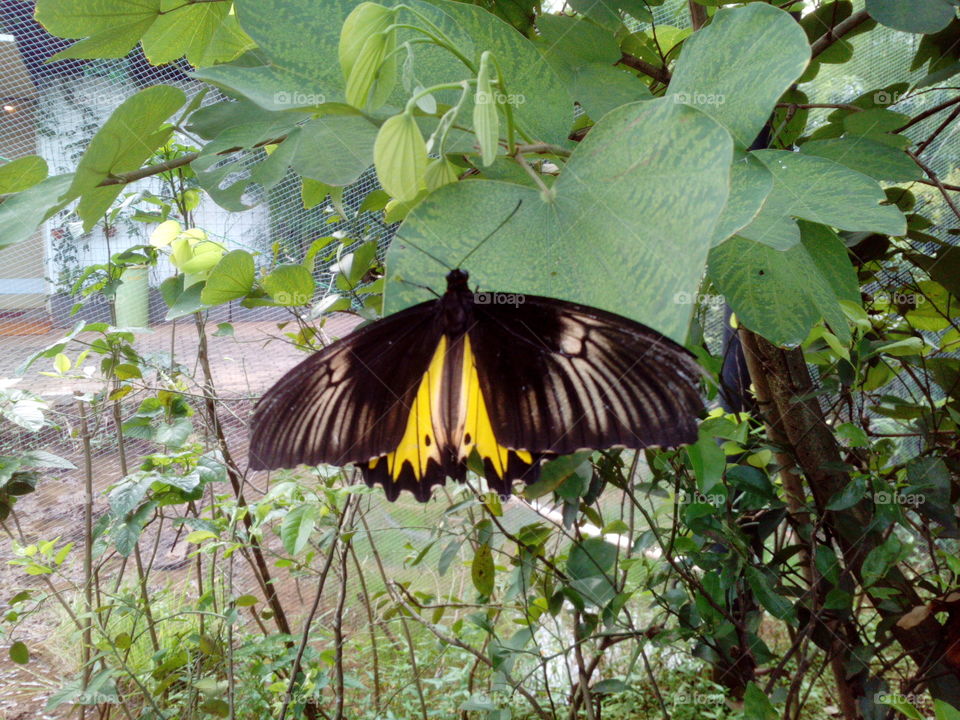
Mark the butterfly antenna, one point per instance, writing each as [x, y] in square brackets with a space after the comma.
[418, 285]
[428, 254]
[495, 231]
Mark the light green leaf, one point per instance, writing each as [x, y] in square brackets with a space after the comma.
[400, 156]
[110, 28]
[482, 570]
[750, 183]
[583, 55]
[290, 285]
[736, 68]
[22, 173]
[865, 155]
[297, 526]
[486, 120]
[231, 278]
[334, 149]
[183, 29]
[804, 186]
[634, 207]
[915, 16]
[121, 145]
[783, 294]
[23, 213]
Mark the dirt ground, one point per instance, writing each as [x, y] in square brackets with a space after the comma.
[244, 364]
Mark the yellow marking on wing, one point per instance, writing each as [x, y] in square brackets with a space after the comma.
[477, 427]
[413, 447]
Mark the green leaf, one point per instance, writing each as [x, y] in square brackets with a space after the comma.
[183, 29]
[583, 55]
[482, 570]
[334, 150]
[297, 526]
[126, 139]
[593, 557]
[110, 28]
[400, 155]
[186, 303]
[943, 711]
[299, 47]
[849, 496]
[639, 198]
[22, 173]
[247, 600]
[916, 16]
[881, 559]
[23, 213]
[19, 653]
[231, 278]
[804, 186]
[127, 531]
[736, 68]
[783, 294]
[750, 184]
[486, 120]
[865, 155]
[772, 600]
[756, 705]
[290, 285]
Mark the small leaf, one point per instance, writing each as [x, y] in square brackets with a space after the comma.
[231, 278]
[290, 284]
[482, 571]
[486, 120]
[247, 601]
[19, 653]
[61, 363]
[297, 526]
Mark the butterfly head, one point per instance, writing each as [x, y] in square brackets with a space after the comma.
[457, 279]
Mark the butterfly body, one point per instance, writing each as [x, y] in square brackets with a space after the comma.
[409, 398]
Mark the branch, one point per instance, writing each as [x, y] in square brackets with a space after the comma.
[936, 181]
[927, 113]
[837, 32]
[657, 73]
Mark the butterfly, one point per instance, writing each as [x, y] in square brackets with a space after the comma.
[408, 399]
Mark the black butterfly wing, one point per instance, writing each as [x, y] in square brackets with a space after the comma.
[351, 401]
[565, 377]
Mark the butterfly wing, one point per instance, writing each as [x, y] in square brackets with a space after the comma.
[564, 377]
[350, 402]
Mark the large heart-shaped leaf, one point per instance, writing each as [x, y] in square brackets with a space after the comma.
[783, 294]
[916, 16]
[805, 186]
[736, 68]
[626, 226]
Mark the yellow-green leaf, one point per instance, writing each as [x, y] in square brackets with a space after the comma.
[400, 156]
[486, 122]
